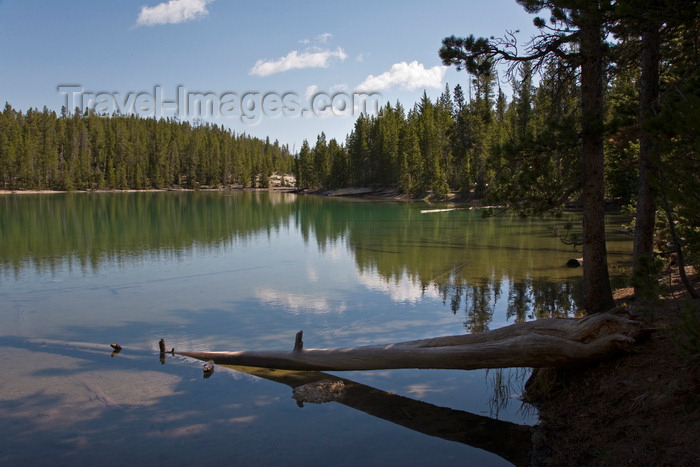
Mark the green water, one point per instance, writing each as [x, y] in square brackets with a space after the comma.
[247, 270]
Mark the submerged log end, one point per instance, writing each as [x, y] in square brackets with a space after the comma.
[319, 392]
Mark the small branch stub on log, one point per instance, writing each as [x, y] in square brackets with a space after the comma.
[161, 346]
[298, 343]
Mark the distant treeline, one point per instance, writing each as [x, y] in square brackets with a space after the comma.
[42, 150]
[476, 141]
[523, 147]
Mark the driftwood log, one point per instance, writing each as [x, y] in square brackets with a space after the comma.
[553, 342]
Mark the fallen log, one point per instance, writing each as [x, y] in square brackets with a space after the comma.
[554, 342]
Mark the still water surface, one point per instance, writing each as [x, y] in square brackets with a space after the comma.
[245, 271]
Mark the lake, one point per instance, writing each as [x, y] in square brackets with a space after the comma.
[244, 270]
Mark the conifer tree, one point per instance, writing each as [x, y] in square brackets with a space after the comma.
[321, 162]
[410, 161]
[339, 164]
[358, 148]
[304, 166]
[583, 24]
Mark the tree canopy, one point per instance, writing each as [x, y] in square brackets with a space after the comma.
[43, 150]
[611, 120]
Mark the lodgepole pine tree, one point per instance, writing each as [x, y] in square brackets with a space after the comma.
[582, 25]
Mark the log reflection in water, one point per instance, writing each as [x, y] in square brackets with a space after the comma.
[505, 439]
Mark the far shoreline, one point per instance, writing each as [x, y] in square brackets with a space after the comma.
[146, 190]
[388, 194]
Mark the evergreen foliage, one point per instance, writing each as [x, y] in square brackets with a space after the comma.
[41, 150]
[607, 121]
[482, 144]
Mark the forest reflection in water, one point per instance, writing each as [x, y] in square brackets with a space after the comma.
[472, 263]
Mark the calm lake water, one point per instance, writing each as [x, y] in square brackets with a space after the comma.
[246, 271]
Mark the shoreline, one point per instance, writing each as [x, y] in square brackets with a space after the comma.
[452, 200]
[146, 190]
[377, 194]
[639, 409]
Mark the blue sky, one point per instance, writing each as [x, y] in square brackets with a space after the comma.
[272, 57]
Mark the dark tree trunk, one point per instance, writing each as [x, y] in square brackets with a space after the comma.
[646, 201]
[678, 247]
[597, 290]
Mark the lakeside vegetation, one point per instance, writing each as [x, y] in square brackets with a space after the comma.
[604, 108]
[40, 150]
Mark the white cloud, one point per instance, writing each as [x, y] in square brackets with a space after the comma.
[294, 60]
[419, 391]
[313, 90]
[401, 289]
[173, 12]
[323, 38]
[407, 75]
[311, 273]
[299, 303]
[310, 91]
[320, 39]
